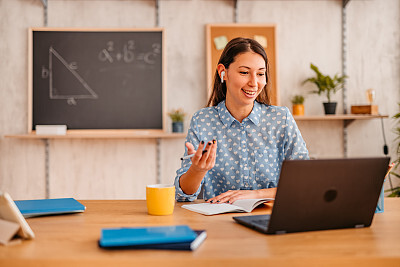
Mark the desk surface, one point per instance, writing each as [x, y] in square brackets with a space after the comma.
[70, 240]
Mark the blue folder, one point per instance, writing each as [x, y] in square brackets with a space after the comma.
[41, 207]
[136, 236]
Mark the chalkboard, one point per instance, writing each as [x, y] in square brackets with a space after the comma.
[97, 79]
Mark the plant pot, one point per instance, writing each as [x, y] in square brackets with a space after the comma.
[330, 108]
[298, 109]
[177, 127]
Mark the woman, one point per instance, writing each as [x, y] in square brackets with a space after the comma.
[239, 141]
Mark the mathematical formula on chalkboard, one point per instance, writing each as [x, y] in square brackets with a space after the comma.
[103, 79]
[128, 54]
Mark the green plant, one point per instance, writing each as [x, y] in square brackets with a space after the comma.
[177, 115]
[326, 84]
[395, 192]
[297, 100]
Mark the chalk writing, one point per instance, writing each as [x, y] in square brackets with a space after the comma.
[72, 67]
[128, 53]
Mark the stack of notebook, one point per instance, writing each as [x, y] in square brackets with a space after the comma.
[177, 237]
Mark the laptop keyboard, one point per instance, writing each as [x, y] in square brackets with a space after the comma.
[262, 220]
[257, 222]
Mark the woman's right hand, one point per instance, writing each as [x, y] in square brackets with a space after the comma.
[202, 161]
[204, 158]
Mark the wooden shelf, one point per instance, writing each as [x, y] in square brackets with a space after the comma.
[338, 117]
[346, 118]
[102, 134]
[154, 134]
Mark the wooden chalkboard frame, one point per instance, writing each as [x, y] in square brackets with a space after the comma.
[242, 30]
[104, 132]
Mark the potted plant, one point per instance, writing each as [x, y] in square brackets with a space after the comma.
[326, 85]
[298, 105]
[395, 192]
[177, 116]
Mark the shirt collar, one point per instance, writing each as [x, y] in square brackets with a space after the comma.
[227, 119]
[255, 114]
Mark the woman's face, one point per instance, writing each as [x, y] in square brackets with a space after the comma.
[245, 79]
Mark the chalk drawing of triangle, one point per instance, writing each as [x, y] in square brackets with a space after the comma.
[74, 87]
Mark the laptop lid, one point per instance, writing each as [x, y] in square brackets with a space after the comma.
[323, 194]
[327, 194]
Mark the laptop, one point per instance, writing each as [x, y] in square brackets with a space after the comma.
[323, 194]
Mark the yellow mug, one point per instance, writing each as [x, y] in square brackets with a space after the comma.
[160, 199]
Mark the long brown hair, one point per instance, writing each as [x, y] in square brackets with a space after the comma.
[235, 47]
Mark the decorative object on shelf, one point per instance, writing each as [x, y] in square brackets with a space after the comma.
[177, 116]
[326, 85]
[298, 105]
[366, 109]
[395, 192]
[370, 93]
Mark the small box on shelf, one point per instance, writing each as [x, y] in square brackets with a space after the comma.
[365, 109]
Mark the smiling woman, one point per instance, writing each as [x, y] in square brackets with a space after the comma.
[239, 141]
[247, 50]
[246, 79]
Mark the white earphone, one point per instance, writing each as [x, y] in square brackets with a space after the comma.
[222, 76]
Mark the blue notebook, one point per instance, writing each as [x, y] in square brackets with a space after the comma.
[135, 236]
[41, 207]
[193, 245]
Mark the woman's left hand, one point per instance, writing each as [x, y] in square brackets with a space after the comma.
[233, 195]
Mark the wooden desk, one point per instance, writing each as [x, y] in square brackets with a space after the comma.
[71, 240]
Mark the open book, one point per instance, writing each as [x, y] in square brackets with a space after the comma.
[241, 205]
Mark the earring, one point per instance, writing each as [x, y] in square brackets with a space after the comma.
[222, 76]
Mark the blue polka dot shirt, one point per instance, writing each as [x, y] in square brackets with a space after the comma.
[249, 154]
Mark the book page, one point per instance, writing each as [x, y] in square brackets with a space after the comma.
[249, 204]
[212, 209]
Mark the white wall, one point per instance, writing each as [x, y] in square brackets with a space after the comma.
[308, 31]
